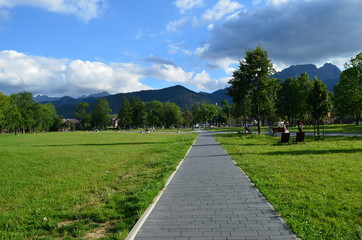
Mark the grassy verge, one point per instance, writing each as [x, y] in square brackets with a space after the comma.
[333, 128]
[316, 187]
[82, 184]
[337, 128]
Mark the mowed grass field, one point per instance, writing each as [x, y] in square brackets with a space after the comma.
[316, 187]
[72, 185]
[331, 128]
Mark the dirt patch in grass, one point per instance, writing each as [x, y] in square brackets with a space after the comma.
[99, 232]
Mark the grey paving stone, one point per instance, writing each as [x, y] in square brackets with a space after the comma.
[209, 198]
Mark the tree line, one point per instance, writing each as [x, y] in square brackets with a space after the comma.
[257, 95]
[135, 114]
[20, 113]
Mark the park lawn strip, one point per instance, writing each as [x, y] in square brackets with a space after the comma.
[74, 183]
[336, 128]
[330, 128]
[316, 187]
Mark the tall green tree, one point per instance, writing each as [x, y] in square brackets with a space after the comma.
[251, 80]
[225, 108]
[172, 114]
[187, 117]
[292, 98]
[155, 114]
[138, 112]
[208, 112]
[348, 91]
[27, 107]
[45, 116]
[101, 113]
[4, 105]
[82, 113]
[13, 121]
[286, 98]
[269, 101]
[319, 101]
[195, 110]
[125, 114]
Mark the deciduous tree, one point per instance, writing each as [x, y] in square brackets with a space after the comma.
[83, 114]
[125, 114]
[348, 91]
[100, 114]
[319, 102]
[27, 108]
[251, 80]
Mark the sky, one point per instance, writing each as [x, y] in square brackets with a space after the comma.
[80, 47]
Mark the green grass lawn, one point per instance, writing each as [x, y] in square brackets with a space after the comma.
[332, 128]
[337, 128]
[316, 187]
[82, 184]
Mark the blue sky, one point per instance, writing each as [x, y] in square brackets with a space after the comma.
[77, 47]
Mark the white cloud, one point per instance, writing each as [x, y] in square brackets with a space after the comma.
[222, 8]
[40, 75]
[170, 73]
[185, 5]
[174, 25]
[84, 9]
[203, 81]
[59, 77]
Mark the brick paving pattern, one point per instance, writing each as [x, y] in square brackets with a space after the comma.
[209, 198]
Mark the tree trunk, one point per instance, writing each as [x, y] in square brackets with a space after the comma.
[258, 117]
[357, 118]
[244, 113]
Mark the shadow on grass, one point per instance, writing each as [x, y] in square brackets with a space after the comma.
[244, 144]
[305, 152]
[101, 144]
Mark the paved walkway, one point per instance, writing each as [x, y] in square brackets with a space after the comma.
[209, 198]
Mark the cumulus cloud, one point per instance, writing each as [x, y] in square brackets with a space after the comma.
[185, 5]
[292, 31]
[84, 9]
[169, 73]
[40, 75]
[204, 82]
[59, 77]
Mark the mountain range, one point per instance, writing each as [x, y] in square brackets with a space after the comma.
[182, 96]
[177, 94]
[328, 73]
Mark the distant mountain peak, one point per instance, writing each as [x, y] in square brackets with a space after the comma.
[97, 95]
[328, 73]
[44, 98]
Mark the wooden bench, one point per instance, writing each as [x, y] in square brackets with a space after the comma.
[277, 129]
[284, 138]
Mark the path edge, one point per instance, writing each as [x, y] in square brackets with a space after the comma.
[281, 219]
[135, 229]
